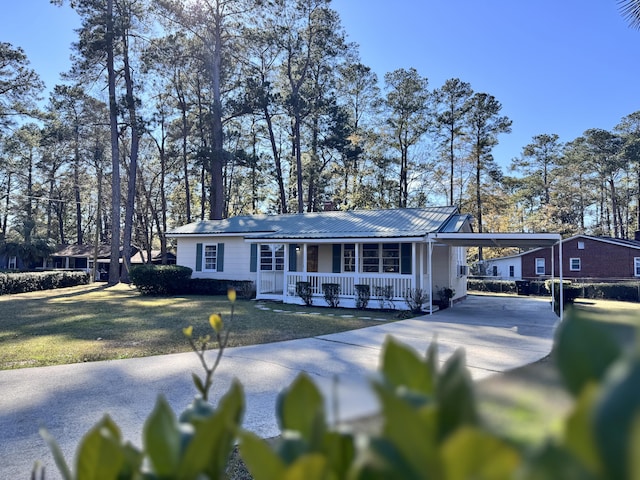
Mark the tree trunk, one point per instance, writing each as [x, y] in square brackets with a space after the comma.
[76, 192]
[298, 155]
[479, 196]
[216, 195]
[185, 156]
[133, 164]
[114, 265]
[277, 161]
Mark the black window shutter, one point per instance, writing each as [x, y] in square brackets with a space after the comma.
[253, 260]
[337, 257]
[220, 258]
[198, 257]
[405, 258]
[293, 258]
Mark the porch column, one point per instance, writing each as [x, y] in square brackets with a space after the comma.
[430, 276]
[414, 270]
[357, 266]
[285, 273]
[420, 268]
[258, 270]
[304, 262]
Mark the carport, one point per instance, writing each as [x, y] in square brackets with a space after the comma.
[487, 240]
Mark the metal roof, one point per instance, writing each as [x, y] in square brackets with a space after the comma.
[522, 240]
[391, 223]
[82, 251]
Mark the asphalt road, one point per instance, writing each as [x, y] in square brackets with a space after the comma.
[498, 334]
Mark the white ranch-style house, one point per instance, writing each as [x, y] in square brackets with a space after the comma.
[397, 249]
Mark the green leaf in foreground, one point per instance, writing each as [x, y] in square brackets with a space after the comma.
[100, 455]
[162, 439]
[584, 351]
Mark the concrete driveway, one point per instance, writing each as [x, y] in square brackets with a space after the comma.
[498, 333]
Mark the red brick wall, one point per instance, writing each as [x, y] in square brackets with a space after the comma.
[598, 259]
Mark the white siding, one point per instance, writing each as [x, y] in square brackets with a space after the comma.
[503, 266]
[325, 257]
[237, 257]
[458, 281]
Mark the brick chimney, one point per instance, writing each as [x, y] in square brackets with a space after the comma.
[328, 206]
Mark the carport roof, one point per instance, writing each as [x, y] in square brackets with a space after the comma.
[522, 240]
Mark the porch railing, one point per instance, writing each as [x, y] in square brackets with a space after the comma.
[271, 282]
[397, 284]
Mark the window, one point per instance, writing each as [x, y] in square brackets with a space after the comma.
[574, 264]
[539, 266]
[580, 245]
[391, 258]
[370, 257]
[210, 257]
[349, 257]
[381, 258]
[271, 257]
[512, 271]
[495, 271]
[637, 266]
[13, 263]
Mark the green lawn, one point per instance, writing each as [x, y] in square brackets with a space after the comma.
[94, 322]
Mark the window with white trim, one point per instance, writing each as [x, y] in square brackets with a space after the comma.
[383, 257]
[272, 257]
[210, 257]
[574, 264]
[349, 257]
[636, 268]
[13, 263]
[391, 257]
[540, 267]
[512, 271]
[370, 257]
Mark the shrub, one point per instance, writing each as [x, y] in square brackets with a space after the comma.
[416, 298]
[493, 286]
[213, 286]
[384, 296]
[36, 281]
[160, 279]
[303, 290]
[624, 291]
[331, 293]
[363, 294]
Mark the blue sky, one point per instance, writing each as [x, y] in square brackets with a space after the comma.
[557, 66]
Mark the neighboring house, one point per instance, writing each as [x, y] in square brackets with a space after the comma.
[154, 257]
[583, 257]
[395, 249]
[9, 261]
[80, 257]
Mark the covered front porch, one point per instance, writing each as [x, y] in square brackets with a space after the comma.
[391, 268]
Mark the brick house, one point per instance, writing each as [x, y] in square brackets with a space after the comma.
[584, 257]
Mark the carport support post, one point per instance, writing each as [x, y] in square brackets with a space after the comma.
[561, 280]
[553, 276]
[430, 275]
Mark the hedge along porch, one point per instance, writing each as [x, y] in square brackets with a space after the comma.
[388, 250]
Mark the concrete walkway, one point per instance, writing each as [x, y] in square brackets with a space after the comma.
[498, 333]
